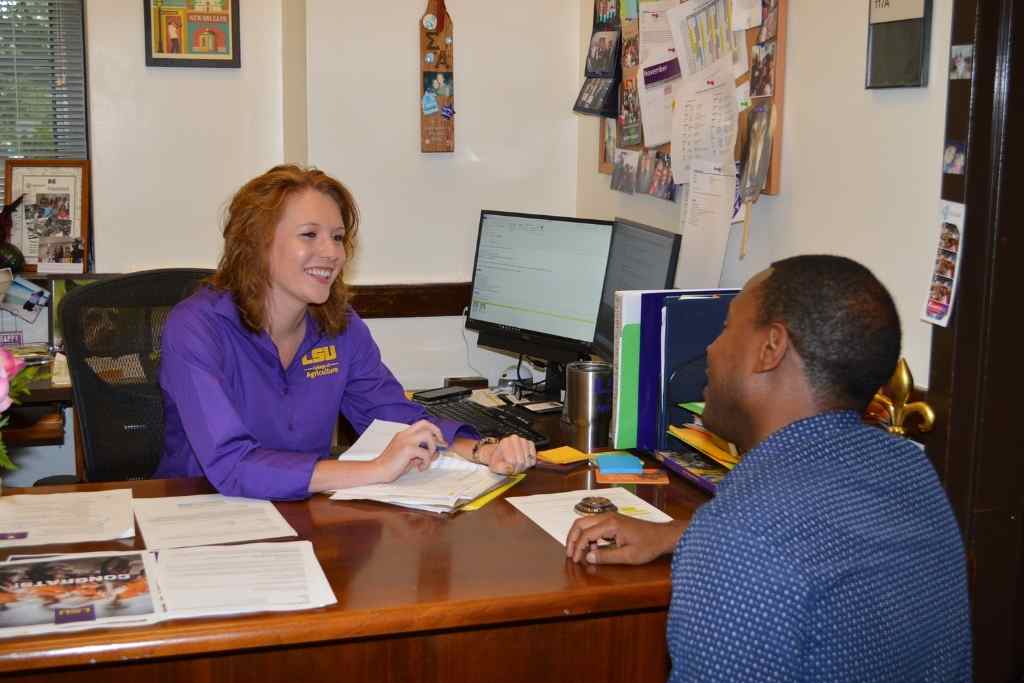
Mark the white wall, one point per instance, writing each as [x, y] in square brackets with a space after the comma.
[169, 146]
[861, 169]
[515, 134]
[515, 148]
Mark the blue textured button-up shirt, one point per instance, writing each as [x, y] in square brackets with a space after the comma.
[252, 427]
[829, 554]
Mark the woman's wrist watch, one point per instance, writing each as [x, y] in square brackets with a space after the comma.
[476, 455]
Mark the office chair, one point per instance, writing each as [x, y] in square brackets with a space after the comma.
[112, 337]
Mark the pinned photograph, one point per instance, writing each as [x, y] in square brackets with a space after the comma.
[25, 299]
[598, 96]
[624, 175]
[762, 70]
[630, 50]
[630, 129]
[606, 12]
[606, 152]
[756, 161]
[942, 281]
[603, 53]
[961, 62]
[629, 10]
[954, 158]
[645, 170]
[769, 20]
[661, 184]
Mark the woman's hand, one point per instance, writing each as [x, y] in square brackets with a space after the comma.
[413, 447]
[510, 455]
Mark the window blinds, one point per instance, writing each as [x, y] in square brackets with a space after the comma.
[42, 80]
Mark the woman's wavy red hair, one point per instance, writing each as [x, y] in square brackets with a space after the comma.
[249, 227]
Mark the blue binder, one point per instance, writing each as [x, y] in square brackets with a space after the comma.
[690, 325]
[649, 435]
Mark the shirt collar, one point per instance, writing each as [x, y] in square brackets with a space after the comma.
[224, 305]
[796, 436]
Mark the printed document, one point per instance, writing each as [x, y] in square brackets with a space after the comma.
[555, 512]
[180, 521]
[706, 222]
[373, 440]
[66, 517]
[448, 483]
[235, 579]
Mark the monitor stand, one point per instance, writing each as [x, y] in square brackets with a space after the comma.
[554, 382]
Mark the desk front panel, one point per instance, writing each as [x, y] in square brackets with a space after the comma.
[455, 594]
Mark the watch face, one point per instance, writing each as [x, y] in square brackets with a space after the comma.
[430, 22]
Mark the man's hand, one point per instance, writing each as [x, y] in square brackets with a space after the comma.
[511, 455]
[635, 541]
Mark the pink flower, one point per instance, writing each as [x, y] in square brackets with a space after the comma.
[12, 365]
[9, 367]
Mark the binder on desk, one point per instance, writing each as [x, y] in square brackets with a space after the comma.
[626, 366]
[689, 324]
[650, 390]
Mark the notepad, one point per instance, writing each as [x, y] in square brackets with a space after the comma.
[562, 455]
[619, 463]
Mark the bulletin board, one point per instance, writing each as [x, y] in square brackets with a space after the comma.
[764, 45]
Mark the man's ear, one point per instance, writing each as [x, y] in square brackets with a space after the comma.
[773, 347]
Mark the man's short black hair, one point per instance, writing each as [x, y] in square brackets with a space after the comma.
[841, 320]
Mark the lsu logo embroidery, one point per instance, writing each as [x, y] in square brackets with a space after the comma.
[320, 354]
[325, 360]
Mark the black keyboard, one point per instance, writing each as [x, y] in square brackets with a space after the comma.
[488, 421]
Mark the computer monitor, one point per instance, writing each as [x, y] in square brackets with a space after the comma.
[537, 286]
[641, 257]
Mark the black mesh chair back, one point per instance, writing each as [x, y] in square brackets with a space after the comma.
[112, 333]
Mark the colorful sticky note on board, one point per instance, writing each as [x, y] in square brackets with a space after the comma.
[562, 456]
[619, 463]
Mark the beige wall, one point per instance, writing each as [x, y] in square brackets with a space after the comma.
[860, 168]
[170, 145]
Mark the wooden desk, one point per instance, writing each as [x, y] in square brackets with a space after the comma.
[483, 595]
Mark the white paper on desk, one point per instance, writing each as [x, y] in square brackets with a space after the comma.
[745, 14]
[704, 122]
[706, 224]
[656, 110]
[555, 513]
[207, 519]
[66, 517]
[254, 577]
[449, 480]
[373, 440]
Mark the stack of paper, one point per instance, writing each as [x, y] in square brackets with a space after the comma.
[711, 445]
[66, 517]
[449, 483]
[180, 521]
[91, 590]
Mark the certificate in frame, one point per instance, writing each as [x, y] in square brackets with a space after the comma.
[51, 227]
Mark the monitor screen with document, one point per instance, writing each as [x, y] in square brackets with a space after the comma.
[537, 283]
[641, 257]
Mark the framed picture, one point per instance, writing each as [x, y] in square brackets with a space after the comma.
[200, 33]
[51, 225]
[899, 36]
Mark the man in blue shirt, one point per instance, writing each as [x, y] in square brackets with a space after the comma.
[830, 553]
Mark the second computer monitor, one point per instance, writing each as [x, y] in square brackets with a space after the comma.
[641, 257]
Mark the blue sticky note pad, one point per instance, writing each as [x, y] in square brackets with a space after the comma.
[620, 463]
